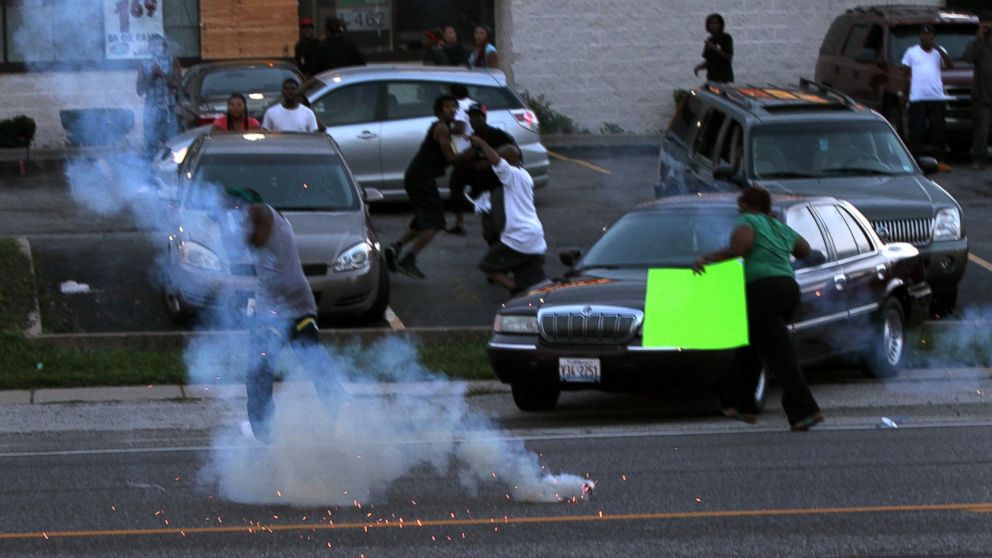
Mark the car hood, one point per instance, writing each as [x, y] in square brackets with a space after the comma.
[320, 236]
[878, 197]
[624, 288]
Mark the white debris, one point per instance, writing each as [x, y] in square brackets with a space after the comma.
[888, 423]
[72, 287]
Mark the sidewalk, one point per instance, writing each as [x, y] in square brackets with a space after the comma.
[196, 392]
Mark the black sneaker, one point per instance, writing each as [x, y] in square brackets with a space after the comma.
[391, 254]
[408, 266]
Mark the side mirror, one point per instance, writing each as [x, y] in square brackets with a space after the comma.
[867, 56]
[372, 195]
[570, 257]
[928, 165]
[727, 173]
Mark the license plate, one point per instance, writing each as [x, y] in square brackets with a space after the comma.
[579, 370]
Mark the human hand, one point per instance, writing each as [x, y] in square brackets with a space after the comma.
[699, 266]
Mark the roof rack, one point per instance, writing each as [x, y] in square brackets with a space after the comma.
[730, 93]
[806, 83]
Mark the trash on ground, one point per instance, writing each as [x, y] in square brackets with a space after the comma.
[72, 287]
[888, 423]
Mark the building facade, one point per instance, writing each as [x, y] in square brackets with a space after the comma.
[609, 66]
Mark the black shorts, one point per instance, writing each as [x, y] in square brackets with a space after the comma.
[527, 269]
[428, 211]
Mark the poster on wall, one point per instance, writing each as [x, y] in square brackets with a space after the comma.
[128, 24]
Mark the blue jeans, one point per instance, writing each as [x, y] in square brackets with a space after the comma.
[160, 124]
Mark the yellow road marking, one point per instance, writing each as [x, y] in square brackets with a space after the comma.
[579, 162]
[980, 261]
[980, 507]
[394, 320]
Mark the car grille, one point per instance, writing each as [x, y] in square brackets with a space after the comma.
[918, 232]
[589, 324]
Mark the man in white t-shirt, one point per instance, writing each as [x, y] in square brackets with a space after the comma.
[517, 260]
[927, 101]
[290, 115]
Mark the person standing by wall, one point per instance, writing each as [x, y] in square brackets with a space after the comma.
[237, 118]
[305, 51]
[435, 154]
[718, 52]
[484, 55]
[336, 50]
[927, 101]
[766, 244]
[290, 115]
[159, 79]
[457, 56]
[435, 55]
[979, 53]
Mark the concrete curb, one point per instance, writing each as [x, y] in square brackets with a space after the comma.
[197, 392]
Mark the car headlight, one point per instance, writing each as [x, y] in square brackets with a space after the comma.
[358, 256]
[198, 255]
[947, 225]
[515, 324]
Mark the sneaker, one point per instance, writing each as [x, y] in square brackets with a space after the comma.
[408, 266]
[392, 253]
[457, 230]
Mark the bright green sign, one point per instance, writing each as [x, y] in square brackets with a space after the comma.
[683, 310]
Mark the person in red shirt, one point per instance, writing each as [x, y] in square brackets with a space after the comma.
[237, 118]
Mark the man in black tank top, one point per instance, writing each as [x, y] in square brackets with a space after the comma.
[430, 162]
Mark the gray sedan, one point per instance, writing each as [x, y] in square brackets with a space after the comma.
[304, 177]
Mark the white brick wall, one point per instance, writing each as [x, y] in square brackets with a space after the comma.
[619, 60]
[41, 95]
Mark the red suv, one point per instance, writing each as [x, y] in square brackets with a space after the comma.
[861, 55]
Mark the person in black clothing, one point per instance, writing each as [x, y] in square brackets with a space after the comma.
[305, 51]
[336, 50]
[430, 162]
[481, 177]
[979, 53]
[435, 55]
[456, 53]
[718, 52]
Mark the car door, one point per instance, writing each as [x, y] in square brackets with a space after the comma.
[409, 112]
[351, 114]
[822, 306]
[865, 272]
[704, 151]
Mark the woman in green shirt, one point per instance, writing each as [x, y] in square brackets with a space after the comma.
[766, 244]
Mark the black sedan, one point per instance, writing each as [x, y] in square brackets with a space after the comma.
[207, 86]
[583, 330]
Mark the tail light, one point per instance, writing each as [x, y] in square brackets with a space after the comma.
[527, 119]
[207, 119]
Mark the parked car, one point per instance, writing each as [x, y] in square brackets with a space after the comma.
[304, 177]
[862, 51]
[859, 295]
[207, 86]
[379, 115]
[812, 140]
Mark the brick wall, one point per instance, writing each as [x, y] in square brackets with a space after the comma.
[619, 60]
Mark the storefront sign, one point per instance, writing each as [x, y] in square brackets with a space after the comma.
[128, 24]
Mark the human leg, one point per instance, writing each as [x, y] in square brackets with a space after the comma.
[917, 125]
[264, 343]
[313, 357]
[981, 113]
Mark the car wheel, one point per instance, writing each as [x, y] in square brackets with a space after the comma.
[944, 301]
[535, 397]
[887, 354]
[378, 310]
[177, 308]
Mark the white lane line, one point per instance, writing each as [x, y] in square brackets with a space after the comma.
[980, 261]
[394, 320]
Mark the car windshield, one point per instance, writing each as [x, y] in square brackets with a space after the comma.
[645, 239]
[287, 182]
[244, 80]
[953, 37]
[826, 150]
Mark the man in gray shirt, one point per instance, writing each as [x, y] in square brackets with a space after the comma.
[284, 312]
[979, 53]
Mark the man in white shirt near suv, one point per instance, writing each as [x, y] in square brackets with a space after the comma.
[927, 100]
[290, 115]
[517, 260]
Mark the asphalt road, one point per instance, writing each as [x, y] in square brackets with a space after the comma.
[589, 189]
[672, 479]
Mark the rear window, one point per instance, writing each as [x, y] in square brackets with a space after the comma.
[954, 37]
[286, 182]
[244, 81]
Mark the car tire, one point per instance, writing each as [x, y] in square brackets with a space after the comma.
[175, 306]
[887, 354]
[944, 301]
[535, 397]
[378, 310]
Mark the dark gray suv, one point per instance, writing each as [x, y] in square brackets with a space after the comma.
[812, 140]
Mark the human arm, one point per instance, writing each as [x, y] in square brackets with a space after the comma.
[741, 242]
[945, 58]
[722, 46]
[492, 57]
[801, 249]
[487, 151]
[442, 135]
[700, 66]
[261, 221]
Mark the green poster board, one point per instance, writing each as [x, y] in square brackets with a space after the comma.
[683, 310]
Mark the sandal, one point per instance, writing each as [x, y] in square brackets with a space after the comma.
[733, 413]
[808, 422]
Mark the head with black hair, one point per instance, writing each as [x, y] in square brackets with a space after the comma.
[445, 107]
[755, 199]
[715, 24]
[483, 35]
[333, 26]
[237, 111]
[290, 92]
[458, 90]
